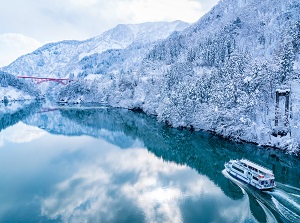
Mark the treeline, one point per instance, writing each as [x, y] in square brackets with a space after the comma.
[7, 79]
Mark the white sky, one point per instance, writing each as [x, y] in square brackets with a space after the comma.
[27, 24]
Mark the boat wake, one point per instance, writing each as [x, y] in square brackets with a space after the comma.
[283, 200]
[287, 203]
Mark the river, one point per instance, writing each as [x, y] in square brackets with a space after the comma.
[100, 164]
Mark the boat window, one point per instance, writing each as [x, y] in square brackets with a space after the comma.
[234, 167]
[262, 183]
[255, 178]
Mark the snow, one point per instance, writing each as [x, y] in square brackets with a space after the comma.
[283, 90]
[14, 89]
[247, 79]
[13, 94]
[219, 74]
[61, 58]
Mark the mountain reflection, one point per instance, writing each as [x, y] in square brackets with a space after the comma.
[202, 151]
[124, 166]
[13, 112]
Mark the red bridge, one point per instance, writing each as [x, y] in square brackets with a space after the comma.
[40, 80]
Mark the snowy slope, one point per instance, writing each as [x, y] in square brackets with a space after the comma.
[14, 89]
[219, 74]
[222, 72]
[61, 59]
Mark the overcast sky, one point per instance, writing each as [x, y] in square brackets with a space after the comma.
[27, 24]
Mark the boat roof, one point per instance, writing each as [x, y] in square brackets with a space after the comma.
[254, 165]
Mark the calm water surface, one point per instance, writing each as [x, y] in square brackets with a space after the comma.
[114, 165]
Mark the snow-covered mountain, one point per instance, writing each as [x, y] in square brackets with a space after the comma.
[219, 74]
[61, 59]
[222, 72]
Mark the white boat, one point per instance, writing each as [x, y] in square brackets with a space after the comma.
[251, 173]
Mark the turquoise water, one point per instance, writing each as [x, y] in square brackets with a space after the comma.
[114, 165]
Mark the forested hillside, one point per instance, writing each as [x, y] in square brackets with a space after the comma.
[12, 88]
[220, 74]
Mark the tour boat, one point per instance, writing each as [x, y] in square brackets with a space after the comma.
[251, 173]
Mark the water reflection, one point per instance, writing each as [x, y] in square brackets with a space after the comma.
[13, 112]
[119, 181]
[114, 165]
[202, 151]
[23, 133]
[134, 185]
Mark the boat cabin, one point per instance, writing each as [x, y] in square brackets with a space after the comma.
[252, 173]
